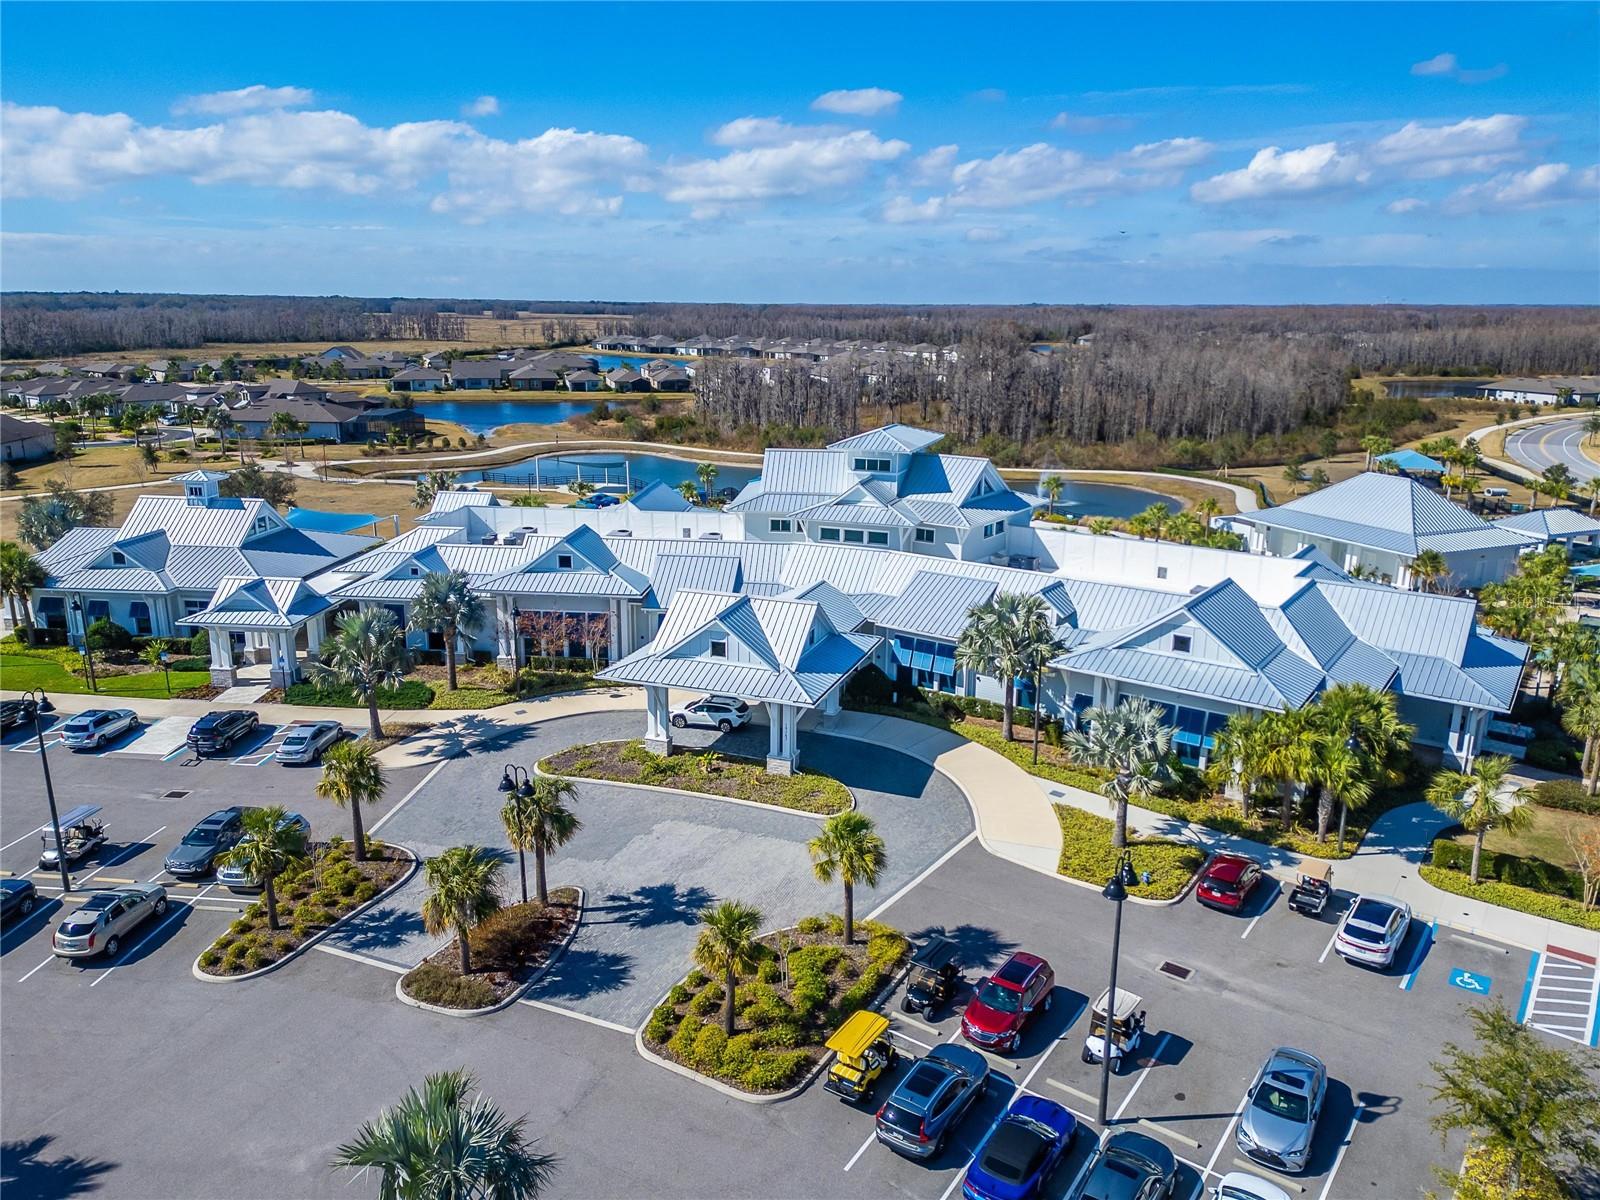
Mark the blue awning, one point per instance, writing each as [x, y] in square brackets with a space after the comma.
[921, 661]
[1412, 460]
[944, 664]
[327, 522]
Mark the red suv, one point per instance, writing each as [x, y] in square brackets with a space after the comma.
[1004, 1002]
[1228, 882]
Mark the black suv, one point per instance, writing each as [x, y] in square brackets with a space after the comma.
[198, 851]
[216, 732]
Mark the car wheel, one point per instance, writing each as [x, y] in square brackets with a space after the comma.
[133, 724]
[680, 722]
[906, 1005]
[26, 906]
[1049, 999]
[113, 944]
[725, 725]
[161, 907]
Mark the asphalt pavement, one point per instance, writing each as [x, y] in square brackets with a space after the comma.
[1549, 443]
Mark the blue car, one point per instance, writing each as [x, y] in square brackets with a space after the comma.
[931, 1100]
[1019, 1152]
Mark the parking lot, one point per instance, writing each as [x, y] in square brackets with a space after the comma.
[1220, 992]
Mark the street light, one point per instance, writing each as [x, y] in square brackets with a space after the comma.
[1353, 745]
[166, 669]
[88, 651]
[509, 785]
[1115, 891]
[41, 706]
[509, 781]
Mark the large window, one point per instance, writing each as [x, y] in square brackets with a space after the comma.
[828, 535]
[139, 614]
[781, 525]
[854, 535]
[877, 537]
[925, 536]
[874, 464]
[925, 663]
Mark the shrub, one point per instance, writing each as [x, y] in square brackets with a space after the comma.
[740, 1054]
[696, 979]
[1087, 854]
[677, 995]
[1565, 794]
[435, 984]
[1532, 873]
[200, 645]
[234, 956]
[255, 958]
[709, 1043]
[661, 1023]
[106, 634]
[240, 925]
[773, 1071]
[1484, 1174]
[1551, 754]
[706, 1002]
[413, 693]
[474, 698]
[1556, 908]
[210, 958]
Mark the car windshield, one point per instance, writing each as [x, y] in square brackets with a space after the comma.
[1016, 1150]
[297, 739]
[1373, 913]
[1001, 999]
[202, 835]
[77, 926]
[1222, 885]
[902, 1119]
[1290, 1106]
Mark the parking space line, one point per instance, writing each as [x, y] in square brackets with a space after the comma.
[1527, 988]
[120, 858]
[923, 1025]
[1344, 1146]
[1072, 1091]
[921, 875]
[1227, 1134]
[36, 970]
[1171, 1133]
[906, 1037]
[1323, 957]
[1424, 944]
[1144, 1073]
[341, 952]
[1252, 925]
[123, 957]
[1472, 941]
[404, 800]
[862, 1149]
[23, 838]
[1282, 1181]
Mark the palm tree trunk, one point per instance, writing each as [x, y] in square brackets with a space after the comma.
[849, 912]
[272, 903]
[522, 870]
[466, 949]
[538, 872]
[357, 831]
[727, 1003]
[1324, 813]
[1344, 813]
[1477, 852]
[1038, 686]
[1008, 710]
[1119, 826]
[1286, 807]
[373, 724]
[450, 653]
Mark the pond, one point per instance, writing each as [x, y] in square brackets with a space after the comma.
[1108, 500]
[485, 416]
[1434, 389]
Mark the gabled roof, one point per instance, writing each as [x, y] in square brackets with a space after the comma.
[595, 570]
[896, 439]
[935, 604]
[656, 496]
[1545, 523]
[692, 572]
[254, 602]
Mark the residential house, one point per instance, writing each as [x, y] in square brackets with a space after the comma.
[664, 376]
[625, 379]
[535, 377]
[25, 441]
[478, 374]
[581, 381]
[419, 379]
[1553, 389]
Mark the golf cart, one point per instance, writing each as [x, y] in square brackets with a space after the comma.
[81, 835]
[1312, 891]
[862, 1052]
[1126, 1028]
[932, 978]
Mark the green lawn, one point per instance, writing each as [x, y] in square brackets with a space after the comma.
[1545, 837]
[19, 672]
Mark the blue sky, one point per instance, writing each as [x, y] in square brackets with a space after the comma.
[1136, 153]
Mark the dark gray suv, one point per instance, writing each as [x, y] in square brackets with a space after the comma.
[931, 1100]
[197, 853]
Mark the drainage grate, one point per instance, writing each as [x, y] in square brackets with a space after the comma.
[173, 795]
[1176, 970]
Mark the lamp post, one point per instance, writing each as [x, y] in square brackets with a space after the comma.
[1353, 745]
[1115, 891]
[88, 650]
[166, 670]
[514, 780]
[41, 706]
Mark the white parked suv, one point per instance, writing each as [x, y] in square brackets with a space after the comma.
[721, 712]
[1372, 930]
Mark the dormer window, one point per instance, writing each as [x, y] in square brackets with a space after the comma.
[118, 559]
[874, 464]
[195, 491]
[719, 648]
[262, 523]
[564, 562]
[416, 570]
[1181, 643]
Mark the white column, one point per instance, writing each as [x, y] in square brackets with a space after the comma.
[774, 733]
[657, 722]
[785, 720]
[222, 666]
[505, 635]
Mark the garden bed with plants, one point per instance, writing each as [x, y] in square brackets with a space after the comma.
[410, 694]
[118, 672]
[706, 771]
[509, 948]
[807, 982]
[313, 893]
[1088, 855]
[1509, 895]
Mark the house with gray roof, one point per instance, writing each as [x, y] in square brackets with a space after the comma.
[1554, 526]
[419, 379]
[1550, 389]
[477, 374]
[1380, 523]
[25, 441]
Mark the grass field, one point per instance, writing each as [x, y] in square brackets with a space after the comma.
[1545, 837]
[19, 672]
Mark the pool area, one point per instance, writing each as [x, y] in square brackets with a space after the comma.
[627, 470]
[485, 416]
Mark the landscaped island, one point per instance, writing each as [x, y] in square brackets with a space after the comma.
[706, 771]
[509, 948]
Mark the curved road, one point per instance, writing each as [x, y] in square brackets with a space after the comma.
[1549, 443]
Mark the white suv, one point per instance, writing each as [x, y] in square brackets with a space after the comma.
[722, 712]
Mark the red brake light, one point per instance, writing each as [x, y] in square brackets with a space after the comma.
[922, 1132]
[879, 1114]
[91, 941]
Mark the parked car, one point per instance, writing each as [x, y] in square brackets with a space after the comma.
[217, 731]
[1228, 881]
[237, 878]
[105, 918]
[17, 898]
[1004, 1002]
[16, 712]
[1020, 1150]
[721, 712]
[96, 727]
[1281, 1110]
[1372, 930]
[1129, 1166]
[305, 743]
[931, 1100]
[1236, 1185]
[198, 851]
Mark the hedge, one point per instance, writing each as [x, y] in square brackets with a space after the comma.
[1506, 895]
[413, 693]
[471, 697]
[1567, 795]
[1087, 854]
[1532, 873]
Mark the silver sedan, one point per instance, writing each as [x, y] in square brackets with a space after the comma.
[304, 743]
[105, 918]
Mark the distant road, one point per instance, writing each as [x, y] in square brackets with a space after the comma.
[1539, 446]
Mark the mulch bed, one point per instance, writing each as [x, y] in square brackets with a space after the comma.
[209, 692]
[701, 771]
[508, 949]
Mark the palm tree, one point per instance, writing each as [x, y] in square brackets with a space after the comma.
[1374, 444]
[283, 427]
[190, 416]
[994, 643]
[437, 1144]
[430, 484]
[1100, 526]
[1363, 722]
[707, 474]
[727, 946]
[1294, 477]
[1427, 568]
[1591, 488]
[1339, 773]
[222, 422]
[269, 843]
[850, 850]
[1478, 799]
[688, 491]
[20, 573]
[1580, 714]
[1287, 757]
[1591, 427]
[367, 653]
[1053, 486]
[463, 889]
[448, 602]
[1236, 756]
[537, 818]
[1133, 741]
[352, 776]
[1207, 509]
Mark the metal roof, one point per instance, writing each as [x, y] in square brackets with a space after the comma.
[1178, 674]
[1544, 523]
[1411, 621]
[697, 572]
[897, 439]
[656, 496]
[248, 602]
[449, 501]
[935, 604]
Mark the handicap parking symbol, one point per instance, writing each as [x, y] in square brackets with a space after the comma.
[1468, 982]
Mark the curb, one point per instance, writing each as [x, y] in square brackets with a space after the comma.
[728, 1089]
[416, 863]
[538, 769]
[516, 994]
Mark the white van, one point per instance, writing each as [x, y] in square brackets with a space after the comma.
[1497, 493]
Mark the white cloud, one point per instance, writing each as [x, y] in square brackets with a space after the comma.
[799, 168]
[1448, 66]
[1406, 204]
[1169, 155]
[858, 102]
[254, 98]
[1079, 123]
[1439, 64]
[1433, 151]
[483, 106]
[933, 168]
[902, 209]
[770, 131]
[1545, 184]
[46, 151]
[985, 233]
[1274, 172]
